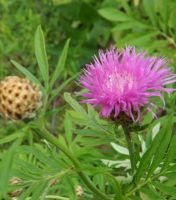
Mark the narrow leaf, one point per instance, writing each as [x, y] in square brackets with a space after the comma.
[11, 137]
[113, 15]
[147, 157]
[162, 149]
[78, 108]
[6, 165]
[169, 190]
[120, 149]
[171, 154]
[27, 73]
[150, 11]
[59, 89]
[41, 56]
[61, 63]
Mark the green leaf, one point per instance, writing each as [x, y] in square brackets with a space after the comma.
[99, 180]
[130, 25]
[68, 128]
[61, 2]
[120, 149]
[41, 55]
[27, 73]
[163, 6]
[150, 11]
[90, 121]
[157, 158]
[151, 193]
[126, 6]
[169, 190]
[59, 89]
[154, 147]
[171, 153]
[6, 165]
[61, 63]
[27, 192]
[157, 45]
[74, 104]
[11, 137]
[116, 186]
[39, 189]
[137, 39]
[41, 156]
[113, 15]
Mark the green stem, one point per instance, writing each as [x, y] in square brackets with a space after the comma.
[53, 140]
[138, 187]
[130, 146]
[56, 197]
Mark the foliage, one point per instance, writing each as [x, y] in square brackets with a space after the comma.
[60, 20]
[35, 168]
[147, 24]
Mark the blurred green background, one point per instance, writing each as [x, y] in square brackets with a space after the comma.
[91, 24]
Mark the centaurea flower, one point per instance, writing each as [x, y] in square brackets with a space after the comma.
[123, 82]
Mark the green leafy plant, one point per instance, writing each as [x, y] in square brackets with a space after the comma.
[148, 24]
[87, 157]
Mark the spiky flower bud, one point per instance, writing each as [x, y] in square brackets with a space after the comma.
[19, 98]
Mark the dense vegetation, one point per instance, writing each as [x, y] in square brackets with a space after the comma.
[34, 165]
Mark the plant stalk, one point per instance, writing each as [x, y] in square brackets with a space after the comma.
[53, 140]
[130, 146]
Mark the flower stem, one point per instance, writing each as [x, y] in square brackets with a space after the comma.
[53, 140]
[139, 186]
[130, 146]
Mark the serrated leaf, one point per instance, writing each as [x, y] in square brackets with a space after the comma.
[41, 55]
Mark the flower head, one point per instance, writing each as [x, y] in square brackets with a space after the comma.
[124, 82]
[19, 98]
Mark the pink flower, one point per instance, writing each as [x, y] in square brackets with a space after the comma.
[124, 82]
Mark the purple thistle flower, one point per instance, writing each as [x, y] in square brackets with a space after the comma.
[124, 82]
